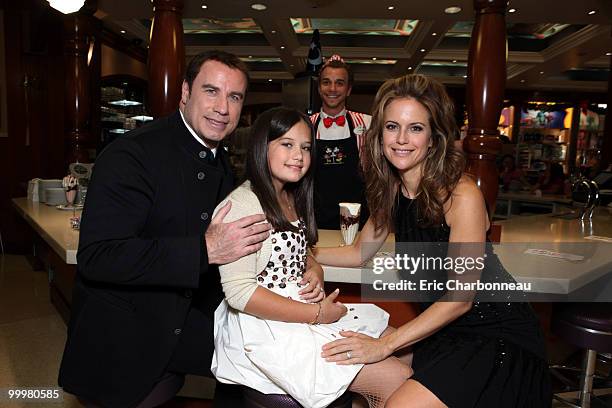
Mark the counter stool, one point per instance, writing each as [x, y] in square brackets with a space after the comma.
[255, 399]
[589, 326]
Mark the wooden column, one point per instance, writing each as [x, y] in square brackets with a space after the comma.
[166, 57]
[80, 31]
[485, 91]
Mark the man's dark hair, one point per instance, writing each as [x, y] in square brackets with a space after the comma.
[338, 64]
[232, 61]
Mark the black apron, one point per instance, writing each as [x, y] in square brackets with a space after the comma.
[338, 178]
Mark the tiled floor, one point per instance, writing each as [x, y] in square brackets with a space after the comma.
[32, 337]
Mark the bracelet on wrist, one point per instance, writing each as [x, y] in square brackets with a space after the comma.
[316, 319]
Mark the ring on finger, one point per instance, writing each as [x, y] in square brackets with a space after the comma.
[348, 355]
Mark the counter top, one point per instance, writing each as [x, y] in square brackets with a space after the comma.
[546, 274]
[53, 225]
[530, 197]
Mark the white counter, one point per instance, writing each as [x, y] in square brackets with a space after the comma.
[52, 225]
[547, 275]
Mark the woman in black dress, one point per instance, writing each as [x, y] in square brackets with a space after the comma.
[467, 353]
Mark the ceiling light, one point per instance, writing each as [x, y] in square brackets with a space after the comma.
[465, 76]
[434, 34]
[282, 47]
[291, 65]
[409, 68]
[122, 31]
[452, 10]
[250, 56]
[454, 61]
[522, 81]
[390, 7]
[204, 6]
[273, 31]
[590, 13]
[67, 6]
[512, 10]
[373, 58]
[608, 53]
[541, 72]
[270, 80]
[258, 6]
[423, 50]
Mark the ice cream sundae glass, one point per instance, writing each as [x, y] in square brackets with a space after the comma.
[70, 184]
[349, 221]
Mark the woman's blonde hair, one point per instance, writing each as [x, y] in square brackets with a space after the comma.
[442, 166]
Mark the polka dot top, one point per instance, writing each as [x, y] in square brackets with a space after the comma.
[287, 263]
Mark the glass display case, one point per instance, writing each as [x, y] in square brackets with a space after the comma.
[123, 106]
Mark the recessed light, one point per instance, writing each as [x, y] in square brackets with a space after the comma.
[282, 47]
[452, 10]
[204, 6]
[454, 61]
[522, 81]
[608, 53]
[373, 58]
[590, 13]
[465, 76]
[541, 72]
[270, 80]
[512, 10]
[250, 56]
[390, 7]
[409, 68]
[122, 31]
[258, 6]
[434, 34]
[423, 50]
[273, 31]
[291, 65]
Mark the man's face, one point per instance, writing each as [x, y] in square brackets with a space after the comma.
[212, 107]
[334, 88]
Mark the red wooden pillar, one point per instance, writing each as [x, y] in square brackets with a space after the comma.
[166, 57]
[80, 30]
[485, 92]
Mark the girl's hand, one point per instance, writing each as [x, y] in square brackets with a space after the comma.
[356, 348]
[331, 311]
[313, 292]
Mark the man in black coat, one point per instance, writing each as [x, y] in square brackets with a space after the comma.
[147, 284]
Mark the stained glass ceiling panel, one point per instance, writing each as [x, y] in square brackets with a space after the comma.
[260, 59]
[514, 30]
[220, 25]
[444, 64]
[371, 61]
[346, 26]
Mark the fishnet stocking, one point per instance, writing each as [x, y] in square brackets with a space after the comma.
[377, 381]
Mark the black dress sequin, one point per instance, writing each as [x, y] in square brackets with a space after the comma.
[492, 356]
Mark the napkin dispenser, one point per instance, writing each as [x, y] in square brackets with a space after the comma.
[34, 190]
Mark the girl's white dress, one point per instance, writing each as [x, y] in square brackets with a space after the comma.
[285, 358]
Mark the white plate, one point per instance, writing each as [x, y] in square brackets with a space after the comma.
[65, 207]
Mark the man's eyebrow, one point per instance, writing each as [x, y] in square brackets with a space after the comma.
[211, 86]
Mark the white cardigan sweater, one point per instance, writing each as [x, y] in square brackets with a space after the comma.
[239, 278]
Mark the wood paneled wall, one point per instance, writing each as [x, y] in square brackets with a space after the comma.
[35, 101]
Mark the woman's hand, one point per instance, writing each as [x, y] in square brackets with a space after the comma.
[331, 311]
[356, 348]
[313, 278]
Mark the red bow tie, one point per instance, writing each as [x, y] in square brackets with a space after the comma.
[340, 121]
